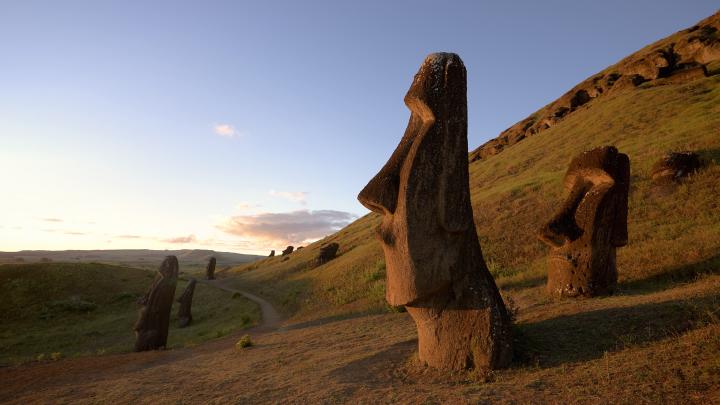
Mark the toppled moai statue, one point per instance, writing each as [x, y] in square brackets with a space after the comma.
[151, 328]
[591, 223]
[435, 267]
[327, 253]
[272, 253]
[185, 300]
[210, 269]
[674, 166]
[287, 250]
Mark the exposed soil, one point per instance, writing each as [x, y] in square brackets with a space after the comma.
[371, 359]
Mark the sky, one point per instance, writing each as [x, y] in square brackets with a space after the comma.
[247, 126]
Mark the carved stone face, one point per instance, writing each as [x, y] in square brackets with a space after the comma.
[424, 199]
[589, 225]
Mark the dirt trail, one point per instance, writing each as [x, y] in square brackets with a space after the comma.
[271, 318]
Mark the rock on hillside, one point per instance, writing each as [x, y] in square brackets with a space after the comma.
[684, 56]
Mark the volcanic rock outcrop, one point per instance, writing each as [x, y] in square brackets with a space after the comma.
[288, 250]
[681, 57]
[185, 300]
[435, 267]
[589, 225]
[327, 253]
[151, 328]
[674, 166]
[210, 269]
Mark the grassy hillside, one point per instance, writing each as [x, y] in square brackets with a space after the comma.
[70, 309]
[673, 236]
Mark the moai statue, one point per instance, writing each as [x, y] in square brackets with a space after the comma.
[288, 250]
[272, 253]
[185, 300]
[435, 267]
[675, 166]
[210, 269]
[327, 253]
[151, 328]
[589, 225]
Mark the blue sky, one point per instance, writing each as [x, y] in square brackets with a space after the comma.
[243, 126]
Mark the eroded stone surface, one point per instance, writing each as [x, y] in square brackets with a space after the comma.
[288, 250]
[590, 224]
[435, 267]
[151, 328]
[185, 300]
[327, 253]
[210, 269]
[674, 166]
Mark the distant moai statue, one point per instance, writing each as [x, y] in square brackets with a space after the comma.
[272, 253]
[435, 267]
[288, 250]
[327, 253]
[151, 328]
[185, 300]
[589, 225]
[210, 269]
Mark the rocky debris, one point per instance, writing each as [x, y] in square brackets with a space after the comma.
[151, 328]
[327, 253]
[435, 267]
[210, 269]
[679, 58]
[185, 300]
[299, 248]
[674, 166]
[272, 253]
[589, 225]
[288, 250]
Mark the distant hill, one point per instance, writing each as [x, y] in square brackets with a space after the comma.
[190, 259]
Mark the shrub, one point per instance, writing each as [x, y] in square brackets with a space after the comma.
[244, 342]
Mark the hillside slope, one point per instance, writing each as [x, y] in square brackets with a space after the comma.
[672, 236]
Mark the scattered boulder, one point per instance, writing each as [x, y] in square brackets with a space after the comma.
[151, 328]
[589, 225]
[674, 166]
[185, 300]
[287, 250]
[210, 269]
[435, 267]
[327, 253]
[272, 253]
[299, 248]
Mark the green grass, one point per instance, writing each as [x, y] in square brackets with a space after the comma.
[75, 309]
[673, 237]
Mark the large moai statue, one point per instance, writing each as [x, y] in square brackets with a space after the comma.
[210, 269]
[327, 253]
[588, 227]
[185, 300]
[288, 250]
[151, 328]
[435, 267]
[272, 253]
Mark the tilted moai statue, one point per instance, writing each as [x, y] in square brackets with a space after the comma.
[288, 250]
[151, 328]
[435, 267]
[589, 225]
[327, 253]
[185, 300]
[210, 269]
[272, 253]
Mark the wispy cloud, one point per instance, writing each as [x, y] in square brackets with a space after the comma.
[52, 220]
[295, 196]
[74, 233]
[226, 130]
[128, 236]
[181, 239]
[287, 227]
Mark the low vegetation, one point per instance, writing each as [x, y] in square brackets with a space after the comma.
[55, 310]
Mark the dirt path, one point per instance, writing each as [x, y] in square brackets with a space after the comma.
[271, 318]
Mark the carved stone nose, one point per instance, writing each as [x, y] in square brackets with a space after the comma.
[380, 194]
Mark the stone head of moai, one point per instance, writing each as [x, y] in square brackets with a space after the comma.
[434, 263]
[210, 269]
[151, 328]
[589, 225]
